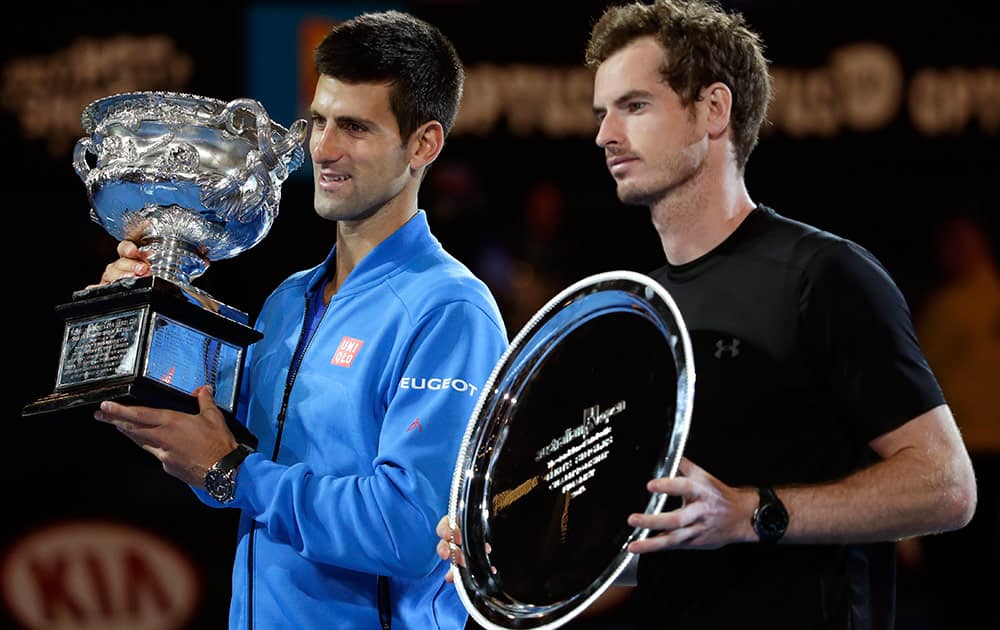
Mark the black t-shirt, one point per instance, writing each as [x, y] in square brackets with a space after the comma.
[804, 351]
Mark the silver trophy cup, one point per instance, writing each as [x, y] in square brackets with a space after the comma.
[190, 179]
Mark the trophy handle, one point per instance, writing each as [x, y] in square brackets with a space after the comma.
[80, 165]
[265, 165]
[295, 136]
[270, 151]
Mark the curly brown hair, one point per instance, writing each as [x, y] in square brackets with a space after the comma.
[703, 44]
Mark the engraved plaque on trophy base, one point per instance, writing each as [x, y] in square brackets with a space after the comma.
[147, 341]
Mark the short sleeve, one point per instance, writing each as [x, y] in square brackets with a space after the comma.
[862, 341]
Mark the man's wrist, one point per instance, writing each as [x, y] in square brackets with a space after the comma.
[770, 518]
[220, 479]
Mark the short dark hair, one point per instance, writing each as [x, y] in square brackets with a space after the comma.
[414, 57]
[703, 44]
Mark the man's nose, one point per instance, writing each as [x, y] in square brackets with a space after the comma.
[609, 132]
[325, 145]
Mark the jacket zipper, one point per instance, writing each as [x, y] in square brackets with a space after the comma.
[292, 373]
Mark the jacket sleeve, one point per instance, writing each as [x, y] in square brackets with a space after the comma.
[384, 522]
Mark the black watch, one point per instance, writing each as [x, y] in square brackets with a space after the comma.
[220, 480]
[770, 519]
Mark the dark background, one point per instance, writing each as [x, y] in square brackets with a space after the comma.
[530, 214]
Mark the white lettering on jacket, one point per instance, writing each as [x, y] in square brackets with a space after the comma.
[435, 384]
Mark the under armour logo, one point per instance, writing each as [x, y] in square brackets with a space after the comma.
[415, 425]
[733, 349]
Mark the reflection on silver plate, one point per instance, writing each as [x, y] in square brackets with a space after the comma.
[592, 399]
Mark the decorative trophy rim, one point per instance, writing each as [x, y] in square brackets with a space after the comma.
[537, 338]
[89, 116]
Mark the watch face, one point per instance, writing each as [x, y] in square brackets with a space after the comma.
[219, 485]
[768, 519]
[220, 479]
[770, 522]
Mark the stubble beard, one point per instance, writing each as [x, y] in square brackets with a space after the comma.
[648, 195]
[655, 193]
[634, 196]
[349, 209]
[327, 207]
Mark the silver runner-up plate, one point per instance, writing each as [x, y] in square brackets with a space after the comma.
[591, 400]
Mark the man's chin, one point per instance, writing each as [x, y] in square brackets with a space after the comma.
[328, 210]
[633, 197]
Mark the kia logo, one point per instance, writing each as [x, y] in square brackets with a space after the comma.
[92, 575]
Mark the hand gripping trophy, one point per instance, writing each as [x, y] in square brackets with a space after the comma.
[190, 179]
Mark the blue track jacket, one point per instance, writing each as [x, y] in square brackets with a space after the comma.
[373, 420]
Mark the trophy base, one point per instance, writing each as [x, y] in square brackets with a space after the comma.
[150, 342]
[139, 392]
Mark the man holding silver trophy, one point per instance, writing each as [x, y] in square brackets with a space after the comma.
[367, 371]
[819, 434]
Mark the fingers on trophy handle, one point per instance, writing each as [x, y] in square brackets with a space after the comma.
[453, 548]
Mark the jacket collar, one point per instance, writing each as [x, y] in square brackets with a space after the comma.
[411, 239]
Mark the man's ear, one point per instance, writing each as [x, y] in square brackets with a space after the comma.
[426, 143]
[718, 100]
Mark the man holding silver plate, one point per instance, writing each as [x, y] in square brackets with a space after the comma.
[819, 434]
[367, 370]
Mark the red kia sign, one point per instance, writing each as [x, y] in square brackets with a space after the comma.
[92, 575]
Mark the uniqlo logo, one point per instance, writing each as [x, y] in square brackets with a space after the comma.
[346, 351]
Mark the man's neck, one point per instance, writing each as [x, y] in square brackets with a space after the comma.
[696, 220]
[356, 239]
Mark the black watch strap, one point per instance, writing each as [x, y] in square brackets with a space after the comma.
[767, 495]
[234, 458]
